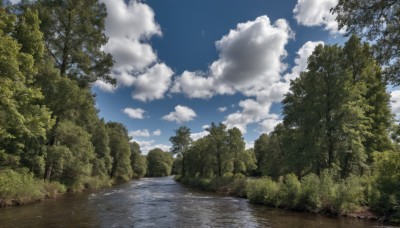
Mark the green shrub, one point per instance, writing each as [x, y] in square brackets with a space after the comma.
[289, 192]
[21, 188]
[385, 195]
[262, 191]
[308, 198]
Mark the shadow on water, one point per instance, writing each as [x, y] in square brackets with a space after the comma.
[159, 202]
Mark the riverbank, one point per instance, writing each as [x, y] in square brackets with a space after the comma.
[311, 195]
[22, 188]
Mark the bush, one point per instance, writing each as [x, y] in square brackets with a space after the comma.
[308, 198]
[21, 187]
[262, 191]
[289, 192]
[385, 195]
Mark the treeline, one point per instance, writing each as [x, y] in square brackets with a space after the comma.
[51, 137]
[337, 150]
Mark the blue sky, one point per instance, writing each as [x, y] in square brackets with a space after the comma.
[181, 62]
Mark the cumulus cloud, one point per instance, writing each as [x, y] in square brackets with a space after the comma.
[157, 132]
[140, 133]
[317, 13]
[258, 110]
[395, 103]
[205, 126]
[129, 27]
[180, 115]
[249, 61]
[222, 109]
[252, 112]
[301, 60]
[134, 113]
[198, 135]
[153, 84]
[146, 146]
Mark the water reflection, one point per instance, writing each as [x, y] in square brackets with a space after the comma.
[159, 202]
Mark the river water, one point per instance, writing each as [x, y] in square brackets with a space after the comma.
[160, 202]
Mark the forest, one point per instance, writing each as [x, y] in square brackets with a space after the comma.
[51, 137]
[336, 151]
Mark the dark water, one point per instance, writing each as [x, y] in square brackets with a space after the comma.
[159, 202]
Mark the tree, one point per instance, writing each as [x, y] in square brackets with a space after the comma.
[22, 119]
[74, 35]
[120, 151]
[159, 163]
[337, 113]
[138, 161]
[236, 146]
[102, 164]
[218, 136]
[377, 21]
[180, 144]
[78, 165]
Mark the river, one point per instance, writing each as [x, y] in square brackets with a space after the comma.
[159, 202]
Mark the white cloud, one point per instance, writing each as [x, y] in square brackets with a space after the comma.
[258, 110]
[129, 26]
[181, 114]
[205, 126]
[140, 133]
[146, 146]
[153, 84]
[252, 112]
[134, 113]
[269, 124]
[395, 103]
[157, 132]
[301, 61]
[317, 13]
[222, 109]
[249, 61]
[249, 145]
[196, 136]
[107, 87]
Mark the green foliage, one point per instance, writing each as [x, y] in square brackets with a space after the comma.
[74, 34]
[262, 191]
[180, 145]
[338, 112]
[385, 196]
[18, 188]
[377, 21]
[120, 151]
[159, 163]
[138, 161]
[310, 194]
[22, 119]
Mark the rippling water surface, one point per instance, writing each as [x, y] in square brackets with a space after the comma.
[159, 202]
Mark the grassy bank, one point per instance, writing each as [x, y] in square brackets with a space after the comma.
[19, 188]
[351, 197]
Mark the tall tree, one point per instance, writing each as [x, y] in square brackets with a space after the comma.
[74, 35]
[377, 21]
[120, 151]
[138, 161]
[328, 107]
[180, 144]
[236, 146]
[22, 119]
[218, 136]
